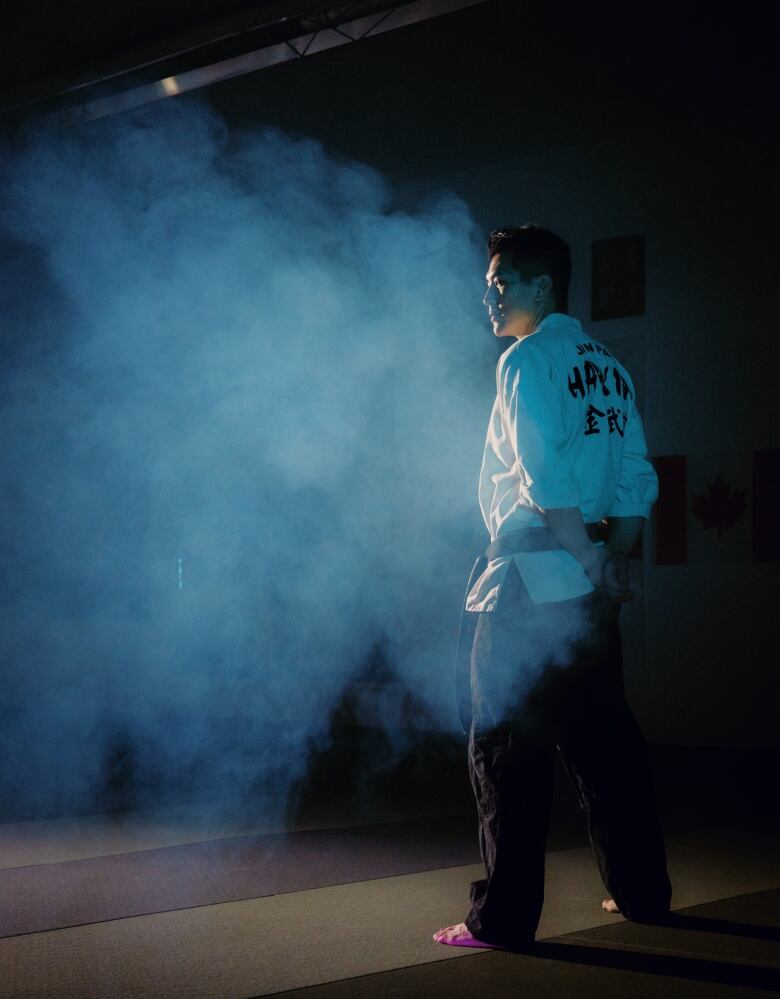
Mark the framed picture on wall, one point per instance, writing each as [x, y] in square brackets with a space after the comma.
[617, 277]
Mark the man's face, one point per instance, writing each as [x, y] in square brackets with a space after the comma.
[510, 301]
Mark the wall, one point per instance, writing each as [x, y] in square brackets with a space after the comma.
[599, 128]
[701, 645]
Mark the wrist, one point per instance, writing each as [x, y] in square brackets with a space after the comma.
[588, 557]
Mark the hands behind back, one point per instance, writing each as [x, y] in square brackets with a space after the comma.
[615, 576]
[609, 571]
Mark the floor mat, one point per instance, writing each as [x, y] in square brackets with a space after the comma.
[53, 896]
[719, 950]
[745, 929]
[373, 937]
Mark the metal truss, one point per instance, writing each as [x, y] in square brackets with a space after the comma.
[286, 38]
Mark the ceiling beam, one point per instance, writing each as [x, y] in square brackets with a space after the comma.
[321, 28]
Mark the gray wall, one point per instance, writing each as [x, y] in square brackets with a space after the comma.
[601, 128]
[597, 128]
[699, 662]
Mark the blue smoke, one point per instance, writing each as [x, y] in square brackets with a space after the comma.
[244, 403]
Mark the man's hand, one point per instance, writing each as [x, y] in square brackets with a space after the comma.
[608, 571]
[605, 565]
[615, 575]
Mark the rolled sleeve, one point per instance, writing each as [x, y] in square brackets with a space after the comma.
[637, 487]
[533, 409]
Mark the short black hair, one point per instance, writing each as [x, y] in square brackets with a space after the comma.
[534, 250]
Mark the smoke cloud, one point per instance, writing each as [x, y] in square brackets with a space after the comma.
[244, 400]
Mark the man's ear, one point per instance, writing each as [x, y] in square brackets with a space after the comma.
[543, 285]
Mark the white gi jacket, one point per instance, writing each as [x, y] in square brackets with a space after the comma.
[564, 432]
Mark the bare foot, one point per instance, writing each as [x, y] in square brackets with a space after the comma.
[610, 905]
[459, 936]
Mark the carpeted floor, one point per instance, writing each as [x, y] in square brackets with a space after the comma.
[343, 904]
[75, 892]
[727, 948]
[373, 937]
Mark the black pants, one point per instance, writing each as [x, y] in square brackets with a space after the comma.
[543, 676]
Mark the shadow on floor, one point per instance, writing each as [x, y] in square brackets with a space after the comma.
[667, 965]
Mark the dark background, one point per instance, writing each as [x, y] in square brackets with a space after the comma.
[602, 122]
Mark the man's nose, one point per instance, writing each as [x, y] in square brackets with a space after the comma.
[490, 296]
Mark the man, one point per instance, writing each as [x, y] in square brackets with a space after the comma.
[565, 452]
